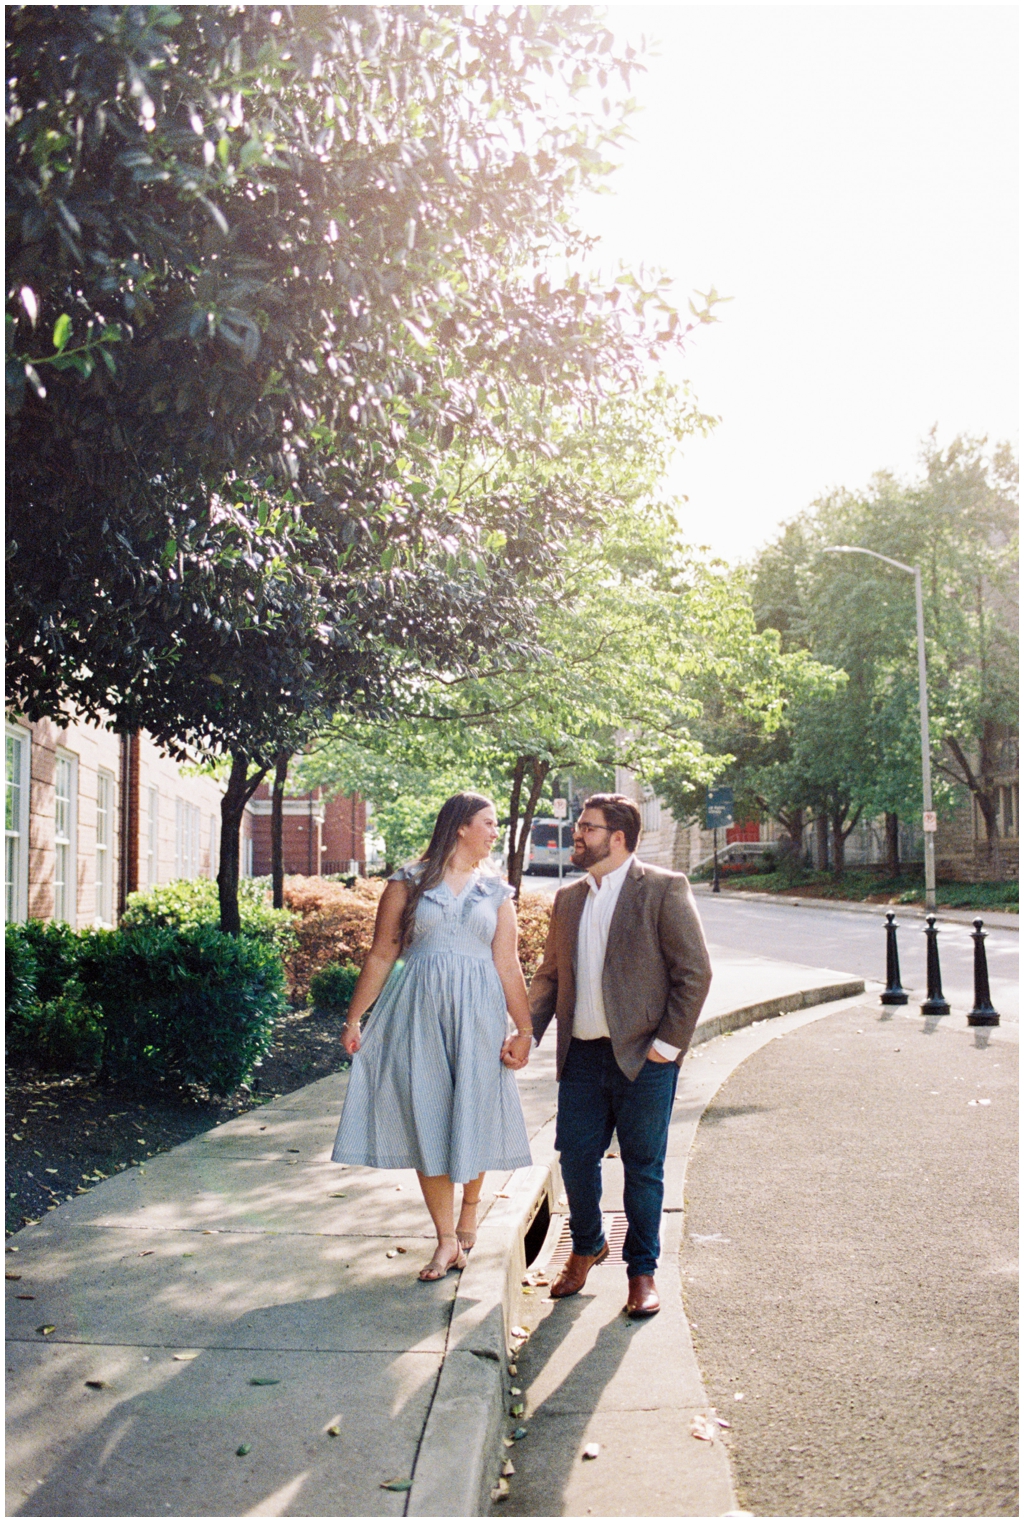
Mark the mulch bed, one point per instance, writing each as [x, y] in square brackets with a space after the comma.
[68, 1132]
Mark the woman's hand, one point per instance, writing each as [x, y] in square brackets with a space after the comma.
[350, 1037]
[516, 1051]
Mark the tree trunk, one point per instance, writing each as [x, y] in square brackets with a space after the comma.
[838, 847]
[792, 843]
[821, 843]
[892, 844]
[277, 829]
[232, 806]
[981, 788]
[517, 851]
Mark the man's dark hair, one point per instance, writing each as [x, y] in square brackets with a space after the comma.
[620, 813]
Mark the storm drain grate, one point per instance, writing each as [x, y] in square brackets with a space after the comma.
[614, 1229]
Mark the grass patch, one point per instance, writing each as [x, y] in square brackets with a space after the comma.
[907, 888]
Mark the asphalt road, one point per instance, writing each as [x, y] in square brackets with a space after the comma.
[849, 1267]
[854, 943]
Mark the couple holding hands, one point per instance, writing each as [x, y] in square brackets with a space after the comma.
[625, 973]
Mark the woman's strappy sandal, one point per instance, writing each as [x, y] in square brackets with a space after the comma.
[467, 1239]
[437, 1268]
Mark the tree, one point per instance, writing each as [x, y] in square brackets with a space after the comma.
[958, 522]
[287, 260]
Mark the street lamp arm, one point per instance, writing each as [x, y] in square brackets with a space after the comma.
[857, 549]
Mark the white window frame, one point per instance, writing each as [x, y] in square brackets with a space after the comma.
[186, 839]
[65, 842]
[214, 845]
[16, 824]
[153, 838]
[106, 806]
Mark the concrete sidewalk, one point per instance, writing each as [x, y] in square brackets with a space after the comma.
[235, 1328]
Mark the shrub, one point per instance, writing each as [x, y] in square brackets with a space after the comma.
[332, 987]
[333, 924]
[188, 904]
[183, 1006]
[20, 972]
[51, 1019]
[534, 912]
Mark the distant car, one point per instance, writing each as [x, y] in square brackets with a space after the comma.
[543, 853]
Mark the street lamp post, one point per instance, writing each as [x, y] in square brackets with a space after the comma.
[922, 684]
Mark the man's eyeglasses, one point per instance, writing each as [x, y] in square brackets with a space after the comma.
[588, 829]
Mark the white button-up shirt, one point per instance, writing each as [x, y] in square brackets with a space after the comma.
[589, 1020]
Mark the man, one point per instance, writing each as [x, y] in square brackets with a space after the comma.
[625, 973]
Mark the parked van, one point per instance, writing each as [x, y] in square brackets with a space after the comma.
[543, 853]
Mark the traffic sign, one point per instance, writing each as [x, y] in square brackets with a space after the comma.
[559, 807]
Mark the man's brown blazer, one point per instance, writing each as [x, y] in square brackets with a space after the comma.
[656, 967]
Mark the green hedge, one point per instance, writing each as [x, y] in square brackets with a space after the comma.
[188, 905]
[332, 987]
[145, 1005]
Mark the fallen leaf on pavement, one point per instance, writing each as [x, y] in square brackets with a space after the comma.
[12, 1276]
[519, 1331]
[183, 1357]
[243, 1449]
[46, 1330]
[591, 1450]
[96, 1384]
[515, 1390]
[738, 1395]
[518, 1434]
[499, 1492]
[517, 1409]
[508, 1467]
[512, 1369]
[148, 1253]
[264, 1381]
[392, 1252]
[334, 1430]
[399, 1485]
[24, 1297]
[338, 1196]
[703, 1428]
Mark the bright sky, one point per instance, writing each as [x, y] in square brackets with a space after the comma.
[847, 174]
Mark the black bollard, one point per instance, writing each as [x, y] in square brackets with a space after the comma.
[982, 1013]
[894, 992]
[935, 1004]
[716, 886]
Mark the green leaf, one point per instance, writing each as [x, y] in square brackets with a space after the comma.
[259, 1381]
[399, 1485]
[243, 1449]
[61, 331]
[170, 550]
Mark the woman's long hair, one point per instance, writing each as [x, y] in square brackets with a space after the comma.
[456, 811]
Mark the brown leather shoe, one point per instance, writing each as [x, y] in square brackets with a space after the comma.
[574, 1275]
[643, 1297]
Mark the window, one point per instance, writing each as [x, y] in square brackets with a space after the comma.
[65, 840]
[152, 837]
[650, 811]
[104, 848]
[1008, 800]
[16, 789]
[186, 840]
[214, 844]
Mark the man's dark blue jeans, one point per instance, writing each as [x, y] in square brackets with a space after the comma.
[596, 1098]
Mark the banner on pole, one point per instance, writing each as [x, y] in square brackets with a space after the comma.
[720, 804]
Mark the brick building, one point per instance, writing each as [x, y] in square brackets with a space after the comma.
[91, 816]
[319, 835]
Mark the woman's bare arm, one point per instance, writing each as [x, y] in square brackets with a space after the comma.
[382, 956]
[515, 1053]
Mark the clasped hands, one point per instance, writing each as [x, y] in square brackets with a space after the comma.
[515, 1052]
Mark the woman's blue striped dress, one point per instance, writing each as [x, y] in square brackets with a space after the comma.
[428, 1089]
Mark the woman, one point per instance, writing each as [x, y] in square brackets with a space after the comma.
[432, 1086]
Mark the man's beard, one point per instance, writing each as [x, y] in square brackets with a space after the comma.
[587, 856]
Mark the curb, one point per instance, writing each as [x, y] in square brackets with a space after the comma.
[766, 1009]
[995, 919]
[460, 1450]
